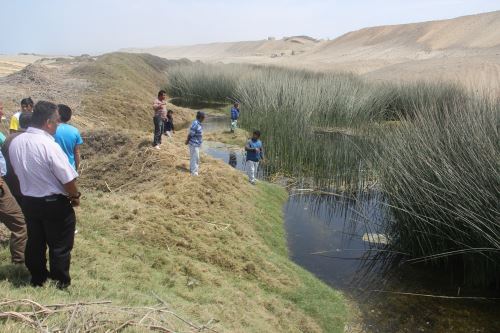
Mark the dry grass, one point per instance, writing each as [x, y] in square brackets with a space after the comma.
[99, 316]
[212, 247]
[126, 162]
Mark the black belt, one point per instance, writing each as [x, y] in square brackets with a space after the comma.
[50, 198]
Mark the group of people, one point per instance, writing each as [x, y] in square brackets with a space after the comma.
[163, 124]
[39, 164]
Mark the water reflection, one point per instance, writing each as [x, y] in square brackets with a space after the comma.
[233, 159]
[216, 124]
[325, 234]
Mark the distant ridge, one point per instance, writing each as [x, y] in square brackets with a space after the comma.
[464, 49]
[221, 51]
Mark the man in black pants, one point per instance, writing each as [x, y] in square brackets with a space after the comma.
[48, 184]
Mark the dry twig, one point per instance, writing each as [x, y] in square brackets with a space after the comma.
[99, 316]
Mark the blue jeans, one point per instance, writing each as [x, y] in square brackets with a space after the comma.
[159, 123]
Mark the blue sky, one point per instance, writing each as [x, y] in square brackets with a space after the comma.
[96, 26]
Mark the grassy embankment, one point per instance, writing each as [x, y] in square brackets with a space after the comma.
[212, 247]
[123, 87]
[432, 148]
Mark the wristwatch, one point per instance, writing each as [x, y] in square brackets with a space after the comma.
[77, 196]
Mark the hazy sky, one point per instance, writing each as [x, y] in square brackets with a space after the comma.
[95, 26]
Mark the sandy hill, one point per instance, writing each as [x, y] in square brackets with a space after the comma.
[236, 51]
[475, 31]
[464, 49]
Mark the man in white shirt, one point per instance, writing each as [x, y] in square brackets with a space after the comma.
[48, 184]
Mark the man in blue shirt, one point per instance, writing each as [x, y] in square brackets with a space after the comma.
[235, 114]
[255, 153]
[194, 140]
[68, 137]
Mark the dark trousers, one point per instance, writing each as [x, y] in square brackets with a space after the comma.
[159, 123]
[50, 221]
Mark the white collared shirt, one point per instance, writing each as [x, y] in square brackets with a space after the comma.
[40, 164]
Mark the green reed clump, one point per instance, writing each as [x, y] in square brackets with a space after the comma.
[290, 106]
[404, 99]
[440, 171]
[198, 82]
[345, 101]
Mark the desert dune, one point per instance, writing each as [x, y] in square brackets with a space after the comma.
[464, 49]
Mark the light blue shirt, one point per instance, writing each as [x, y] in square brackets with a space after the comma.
[196, 134]
[3, 165]
[68, 137]
[253, 155]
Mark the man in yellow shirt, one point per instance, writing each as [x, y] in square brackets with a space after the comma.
[26, 106]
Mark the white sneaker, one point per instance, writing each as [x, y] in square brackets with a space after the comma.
[157, 147]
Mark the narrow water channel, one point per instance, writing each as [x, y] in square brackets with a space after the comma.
[337, 239]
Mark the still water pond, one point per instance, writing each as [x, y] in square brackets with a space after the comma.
[325, 235]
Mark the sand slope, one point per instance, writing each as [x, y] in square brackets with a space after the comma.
[465, 49]
[13, 63]
[475, 31]
[245, 51]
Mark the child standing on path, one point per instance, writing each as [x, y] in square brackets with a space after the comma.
[255, 153]
[194, 140]
[235, 114]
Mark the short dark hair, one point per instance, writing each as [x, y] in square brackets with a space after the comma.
[65, 112]
[42, 112]
[170, 112]
[162, 92]
[27, 101]
[200, 114]
[257, 132]
[25, 120]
